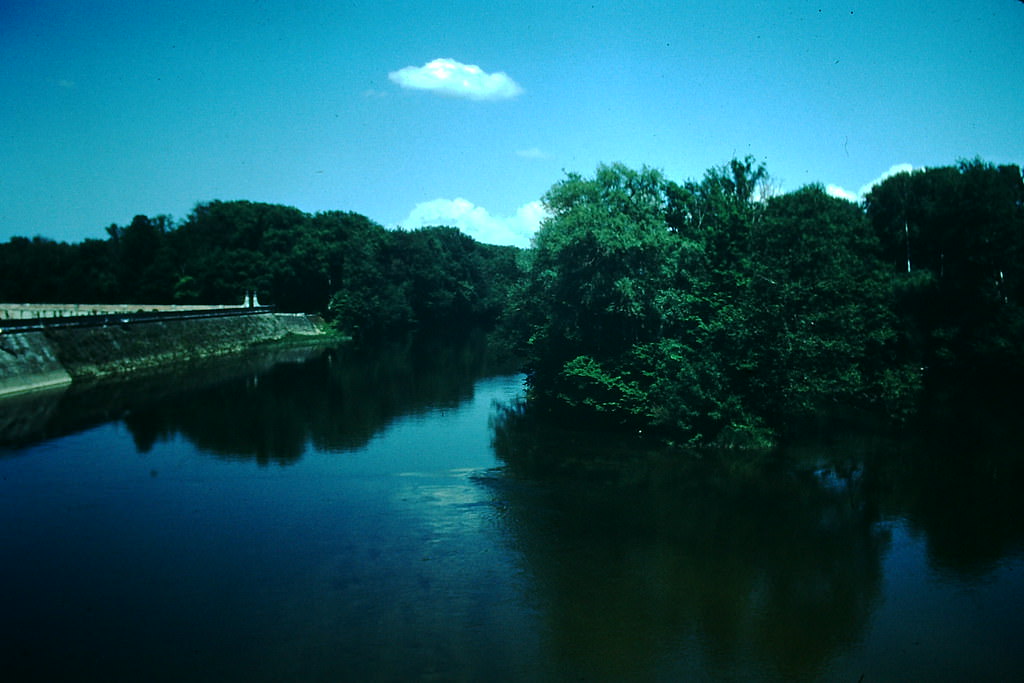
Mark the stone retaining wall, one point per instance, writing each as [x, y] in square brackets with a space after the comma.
[54, 357]
[28, 362]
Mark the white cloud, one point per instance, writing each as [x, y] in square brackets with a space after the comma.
[477, 222]
[532, 153]
[893, 170]
[449, 77]
[843, 193]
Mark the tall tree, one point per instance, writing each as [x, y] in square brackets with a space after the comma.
[600, 264]
[145, 262]
[955, 239]
[820, 303]
[705, 309]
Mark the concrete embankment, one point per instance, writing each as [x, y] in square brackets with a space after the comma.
[53, 357]
[28, 362]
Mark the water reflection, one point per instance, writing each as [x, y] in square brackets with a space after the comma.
[46, 415]
[963, 498]
[960, 482]
[653, 562]
[269, 407]
[336, 401]
[417, 554]
[645, 567]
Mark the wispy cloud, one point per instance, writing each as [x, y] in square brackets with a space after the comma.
[477, 222]
[843, 193]
[532, 153]
[449, 77]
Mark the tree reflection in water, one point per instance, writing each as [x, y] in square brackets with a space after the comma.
[335, 401]
[746, 559]
[581, 555]
[648, 559]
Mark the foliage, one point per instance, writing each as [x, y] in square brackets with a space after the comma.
[705, 310]
[819, 301]
[711, 311]
[954, 237]
[369, 280]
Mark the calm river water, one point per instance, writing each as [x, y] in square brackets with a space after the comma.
[323, 515]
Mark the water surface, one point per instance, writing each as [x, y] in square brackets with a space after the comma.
[393, 516]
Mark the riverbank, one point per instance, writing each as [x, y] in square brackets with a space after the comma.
[50, 358]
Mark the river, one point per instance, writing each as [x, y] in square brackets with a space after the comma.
[331, 515]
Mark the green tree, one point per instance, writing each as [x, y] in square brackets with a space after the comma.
[707, 361]
[229, 248]
[706, 310]
[33, 270]
[368, 301]
[820, 305]
[145, 263]
[600, 265]
[91, 276]
[955, 239]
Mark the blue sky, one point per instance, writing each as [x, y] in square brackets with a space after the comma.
[465, 113]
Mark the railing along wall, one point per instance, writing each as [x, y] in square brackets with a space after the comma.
[119, 315]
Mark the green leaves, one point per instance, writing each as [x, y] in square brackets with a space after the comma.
[588, 383]
[705, 310]
[954, 237]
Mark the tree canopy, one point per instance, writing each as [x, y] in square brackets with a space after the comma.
[371, 281]
[954, 241]
[715, 311]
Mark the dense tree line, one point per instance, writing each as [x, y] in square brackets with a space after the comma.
[954, 239]
[711, 310]
[370, 280]
[715, 312]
